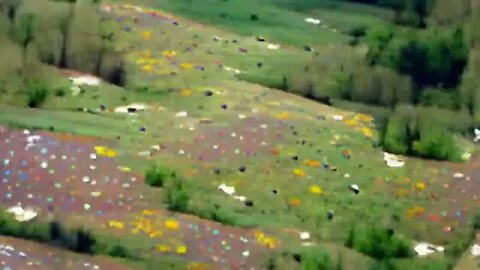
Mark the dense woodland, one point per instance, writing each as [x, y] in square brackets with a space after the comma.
[420, 75]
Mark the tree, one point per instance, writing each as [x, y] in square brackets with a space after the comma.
[25, 31]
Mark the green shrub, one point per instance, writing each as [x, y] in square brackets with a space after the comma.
[177, 197]
[383, 244]
[36, 95]
[156, 176]
[358, 31]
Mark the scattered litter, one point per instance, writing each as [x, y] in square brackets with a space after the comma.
[305, 236]
[338, 117]
[475, 250]
[181, 114]
[477, 135]
[21, 214]
[425, 249]
[354, 188]
[312, 21]
[227, 189]
[132, 108]
[272, 46]
[458, 175]
[393, 161]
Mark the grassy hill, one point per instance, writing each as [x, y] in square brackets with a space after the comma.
[215, 121]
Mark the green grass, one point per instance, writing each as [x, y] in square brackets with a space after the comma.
[379, 184]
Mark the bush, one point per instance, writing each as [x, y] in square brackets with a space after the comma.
[383, 244]
[36, 95]
[156, 176]
[358, 31]
[177, 198]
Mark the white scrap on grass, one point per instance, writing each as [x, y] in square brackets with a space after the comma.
[476, 250]
[313, 21]
[305, 236]
[425, 249]
[227, 189]
[234, 70]
[458, 175]
[137, 107]
[83, 80]
[272, 46]
[240, 198]
[477, 135]
[338, 117]
[181, 114]
[392, 160]
[21, 214]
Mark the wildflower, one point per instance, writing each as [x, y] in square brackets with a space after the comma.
[298, 172]
[295, 202]
[419, 186]
[316, 190]
[312, 163]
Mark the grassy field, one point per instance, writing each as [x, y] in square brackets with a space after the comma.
[299, 161]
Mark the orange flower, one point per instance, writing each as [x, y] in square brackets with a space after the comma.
[295, 202]
[312, 163]
[275, 151]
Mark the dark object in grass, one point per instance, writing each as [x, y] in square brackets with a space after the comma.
[223, 15]
[103, 107]
[118, 137]
[224, 106]
[330, 215]
[51, 128]
[235, 41]
[131, 110]
[208, 93]
[249, 203]
[295, 158]
[259, 64]
[308, 48]
[274, 191]
[142, 129]
[175, 23]
[254, 17]
[297, 257]
[260, 39]
[360, 165]
[242, 169]
[243, 50]
[217, 171]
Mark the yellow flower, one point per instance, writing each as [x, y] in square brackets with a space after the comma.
[141, 61]
[115, 224]
[415, 211]
[420, 186]
[169, 53]
[181, 249]
[147, 68]
[163, 248]
[367, 132]
[172, 224]
[186, 92]
[147, 34]
[155, 234]
[124, 169]
[186, 66]
[283, 116]
[147, 212]
[298, 172]
[350, 122]
[316, 190]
